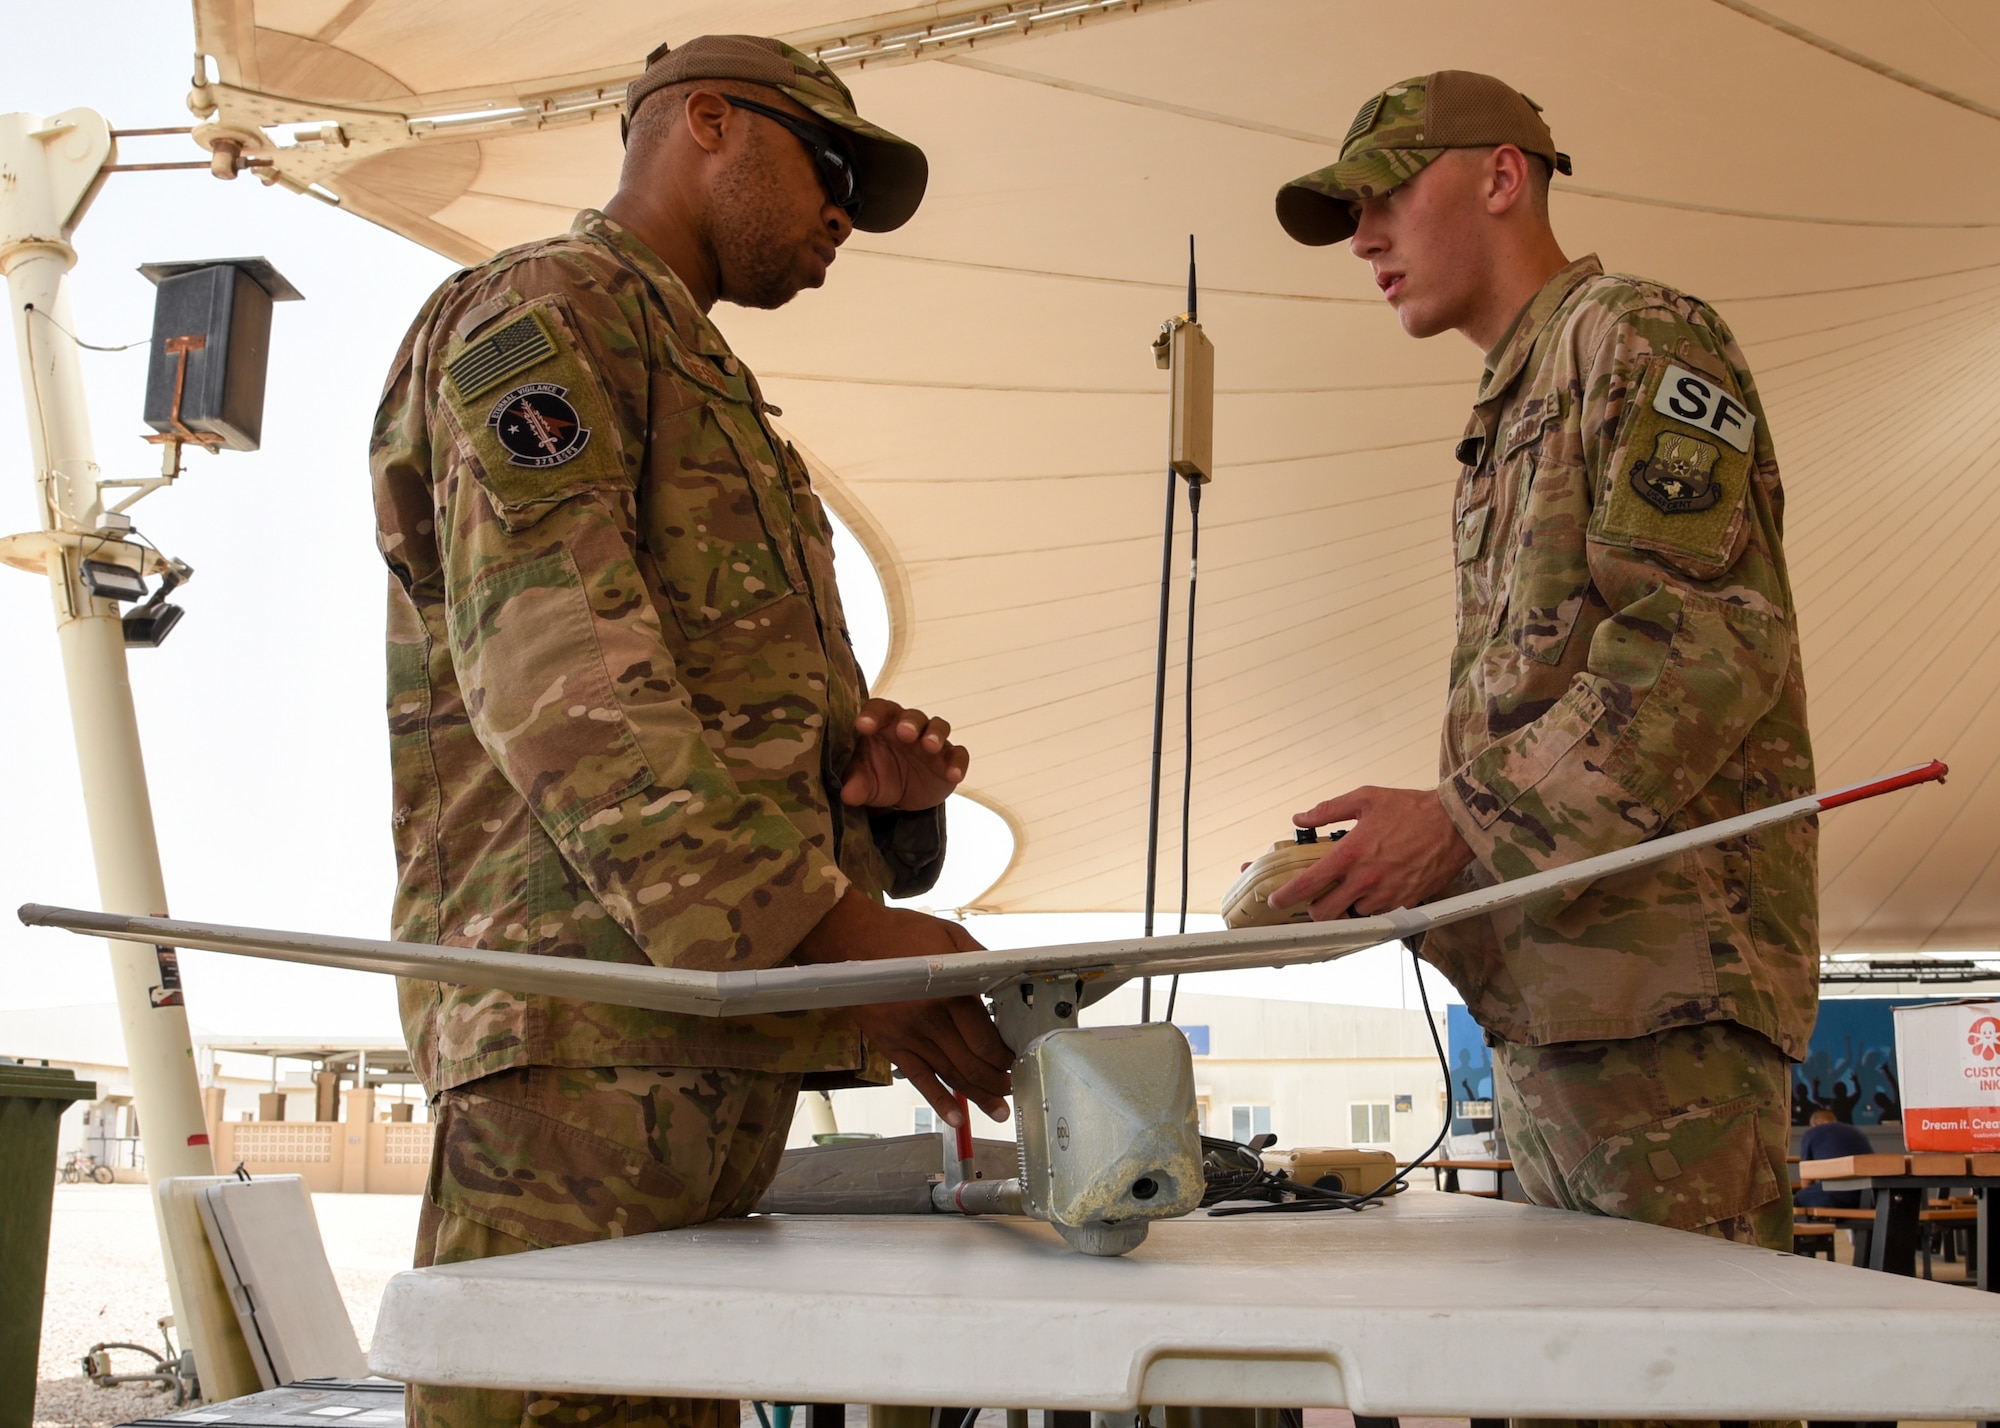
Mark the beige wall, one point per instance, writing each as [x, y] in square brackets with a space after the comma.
[357, 1155]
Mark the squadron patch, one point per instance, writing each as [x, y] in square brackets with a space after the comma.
[1678, 477]
[537, 427]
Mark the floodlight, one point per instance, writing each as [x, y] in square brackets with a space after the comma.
[148, 626]
[113, 582]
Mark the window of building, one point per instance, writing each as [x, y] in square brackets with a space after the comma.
[1368, 1122]
[1246, 1121]
[926, 1121]
[1203, 1110]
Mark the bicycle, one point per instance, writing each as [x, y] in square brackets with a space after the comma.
[82, 1163]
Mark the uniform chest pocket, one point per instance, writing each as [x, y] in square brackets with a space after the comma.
[703, 522]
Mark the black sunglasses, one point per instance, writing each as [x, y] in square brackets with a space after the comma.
[836, 170]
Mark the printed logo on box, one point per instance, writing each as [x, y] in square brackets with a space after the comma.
[1948, 1063]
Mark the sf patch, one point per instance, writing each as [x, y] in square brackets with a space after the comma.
[1678, 477]
[537, 426]
[1705, 403]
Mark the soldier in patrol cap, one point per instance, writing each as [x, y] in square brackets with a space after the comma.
[626, 720]
[1626, 664]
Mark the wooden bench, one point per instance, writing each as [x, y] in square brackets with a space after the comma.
[1942, 1214]
[1810, 1239]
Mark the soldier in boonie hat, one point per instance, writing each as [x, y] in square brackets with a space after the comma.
[1402, 130]
[886, 174]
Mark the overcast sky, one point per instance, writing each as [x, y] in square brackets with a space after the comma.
[262, 715]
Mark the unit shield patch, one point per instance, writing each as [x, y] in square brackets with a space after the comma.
[1678, 476]
[537, 426]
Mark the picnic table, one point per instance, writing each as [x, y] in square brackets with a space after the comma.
[1444, 1175]
[1899, 1192]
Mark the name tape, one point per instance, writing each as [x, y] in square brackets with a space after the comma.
[1697, 401]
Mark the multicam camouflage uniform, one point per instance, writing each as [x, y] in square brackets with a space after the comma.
[1627, 664]
[621, 698]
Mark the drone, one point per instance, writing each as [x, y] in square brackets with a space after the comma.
[1105, 1116]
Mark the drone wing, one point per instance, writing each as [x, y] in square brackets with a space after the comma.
[915, 978]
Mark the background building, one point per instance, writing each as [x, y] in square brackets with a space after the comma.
[1310, 1073]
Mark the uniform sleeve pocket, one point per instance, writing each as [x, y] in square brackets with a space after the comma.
[703, 523]
[532, 414]
[538, 693]
[1678, 480]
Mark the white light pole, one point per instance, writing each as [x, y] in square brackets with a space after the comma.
[50, 169]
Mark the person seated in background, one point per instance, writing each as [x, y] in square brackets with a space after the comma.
[1826, 1137]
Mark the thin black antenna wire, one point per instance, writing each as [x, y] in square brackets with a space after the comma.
[1159, 733]
[1187, 692]
[1187, 719]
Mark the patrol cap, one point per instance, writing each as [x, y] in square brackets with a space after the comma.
[1401, 130]
[890, 172]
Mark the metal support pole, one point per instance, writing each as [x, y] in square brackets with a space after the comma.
[53, 167]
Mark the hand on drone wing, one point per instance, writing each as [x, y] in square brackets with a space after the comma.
[903, 759]
[941, 1046]
[1402, 850]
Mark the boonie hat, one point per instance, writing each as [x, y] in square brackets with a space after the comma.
[890, 172]
[1401, 130]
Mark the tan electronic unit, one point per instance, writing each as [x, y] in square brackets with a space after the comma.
[1335, 1167]
[1191, 443]
[1248, 901]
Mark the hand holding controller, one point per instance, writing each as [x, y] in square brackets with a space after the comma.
[1248, 901]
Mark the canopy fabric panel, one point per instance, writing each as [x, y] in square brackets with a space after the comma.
[978, 392]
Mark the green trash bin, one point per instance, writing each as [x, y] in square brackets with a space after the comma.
[32, 1102]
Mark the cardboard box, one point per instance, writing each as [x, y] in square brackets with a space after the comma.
[1986, 1165]
[1948, 1062]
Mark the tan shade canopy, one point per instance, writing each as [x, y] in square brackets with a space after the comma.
[979, 395]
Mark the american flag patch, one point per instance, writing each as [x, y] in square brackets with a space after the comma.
[492, 360]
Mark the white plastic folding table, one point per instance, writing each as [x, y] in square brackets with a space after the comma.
[1427, 1305]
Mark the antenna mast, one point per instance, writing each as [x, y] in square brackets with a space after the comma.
[1184, 349]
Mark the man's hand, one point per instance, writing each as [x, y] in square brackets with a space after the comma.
[941, 1046]
[1401, 851]
[904, 759]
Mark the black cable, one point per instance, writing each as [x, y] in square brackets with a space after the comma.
[1312, 1197]
[1159, 733]
[1187, 718]
[87, 346]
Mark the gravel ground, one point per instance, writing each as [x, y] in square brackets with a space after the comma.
[106, 1283]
